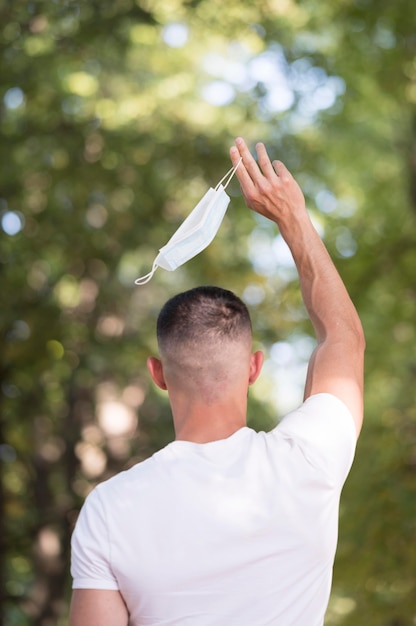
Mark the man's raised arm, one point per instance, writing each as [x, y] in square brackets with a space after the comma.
[336, 365]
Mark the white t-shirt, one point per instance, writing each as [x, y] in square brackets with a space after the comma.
[236, 532]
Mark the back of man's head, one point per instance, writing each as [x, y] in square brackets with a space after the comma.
[203, 315]
[204, 338]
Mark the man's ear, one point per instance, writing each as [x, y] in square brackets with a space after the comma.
[256, 363]
[155, 368]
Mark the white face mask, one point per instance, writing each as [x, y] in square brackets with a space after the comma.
[196, 232]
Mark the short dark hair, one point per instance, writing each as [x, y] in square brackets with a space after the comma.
[203, 314]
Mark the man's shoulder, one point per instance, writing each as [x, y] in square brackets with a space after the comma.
[320, 408]
[324, 429]
[137, 474]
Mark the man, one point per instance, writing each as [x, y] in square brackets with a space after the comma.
[226, 526]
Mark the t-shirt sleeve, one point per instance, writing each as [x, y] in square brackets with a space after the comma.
[324, 429]
[90, 548]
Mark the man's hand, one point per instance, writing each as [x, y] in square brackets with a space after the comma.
[268, 187]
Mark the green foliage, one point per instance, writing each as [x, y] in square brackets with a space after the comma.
[113, 125]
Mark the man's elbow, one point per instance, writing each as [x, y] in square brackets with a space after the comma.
[360, 336]
[348, 337]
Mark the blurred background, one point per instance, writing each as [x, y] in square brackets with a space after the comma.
[115, 117]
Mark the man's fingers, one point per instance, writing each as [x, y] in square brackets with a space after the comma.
[235, 155]
[242, 172]
[257, 178]
[264, 161]
[248, 160]
[280, 168]
[256, 169]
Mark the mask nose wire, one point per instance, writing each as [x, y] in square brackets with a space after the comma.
[230, 174]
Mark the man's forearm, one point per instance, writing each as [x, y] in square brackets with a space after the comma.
[324, 294]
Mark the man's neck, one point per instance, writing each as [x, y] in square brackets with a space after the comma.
[200, 423]
[206, 435]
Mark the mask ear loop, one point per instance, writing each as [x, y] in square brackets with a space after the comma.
[145, 279]
[230, 174]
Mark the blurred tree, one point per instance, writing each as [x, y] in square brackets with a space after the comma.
[115, 117]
